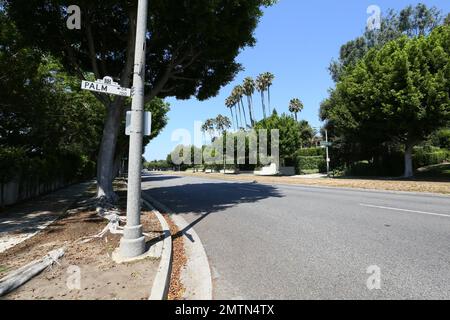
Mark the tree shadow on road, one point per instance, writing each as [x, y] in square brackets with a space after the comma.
[204, 199]
[158, 177]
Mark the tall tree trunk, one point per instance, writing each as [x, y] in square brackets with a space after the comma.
[240, 114]
[409, 171]
[243, 110]
[263, 104]
[105, 163]
[268, 99]
[237, 121]
[250, 111]
[232, 119]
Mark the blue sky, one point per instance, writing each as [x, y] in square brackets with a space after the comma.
[296, 40]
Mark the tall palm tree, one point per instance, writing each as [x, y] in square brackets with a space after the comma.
[268, 79]
[295, 106]
[222, 124]
[209, 126]
[249, 90]
[261, 87]
[229, 103]
[238, 93]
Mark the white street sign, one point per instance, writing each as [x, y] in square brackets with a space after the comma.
[147, 123]
[106, 85]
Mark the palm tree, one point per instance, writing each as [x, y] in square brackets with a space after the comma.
[261, 87]
[268, 79]
[295, 106]
[229, 103]
[222, 125]
[249, 90]
[208, 126]
[238, 93]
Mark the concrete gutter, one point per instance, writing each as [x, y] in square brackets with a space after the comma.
[161, 283]
[196, 276]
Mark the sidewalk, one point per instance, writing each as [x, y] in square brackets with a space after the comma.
[22, 221]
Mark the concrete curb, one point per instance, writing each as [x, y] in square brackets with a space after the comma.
[161, 282]
[197, 275]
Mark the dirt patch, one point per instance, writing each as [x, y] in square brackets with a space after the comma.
[179, 260]
[91, 263]
[377, 184]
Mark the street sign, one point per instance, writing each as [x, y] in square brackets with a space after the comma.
[106, 85]
[325, 144]
[147, 123]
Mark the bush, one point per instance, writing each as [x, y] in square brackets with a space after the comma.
[311, 163]
[311, 152]
[427, 156]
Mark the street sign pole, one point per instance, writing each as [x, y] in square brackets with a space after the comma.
[328, 154]
[132, 243]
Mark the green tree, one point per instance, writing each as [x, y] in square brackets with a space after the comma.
[249, 90]
[295, 107]
[288, 134]
[261, 87]
[399, 93]
[184, 57]
[268, 79]
[411, 21]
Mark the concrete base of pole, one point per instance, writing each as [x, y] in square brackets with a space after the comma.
[132, 243]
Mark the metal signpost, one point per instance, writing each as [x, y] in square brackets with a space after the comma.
[132, 243]
[326, 144]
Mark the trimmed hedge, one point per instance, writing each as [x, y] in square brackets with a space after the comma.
[311, 152]
[311, 163]
[423, 159]
[429, 155]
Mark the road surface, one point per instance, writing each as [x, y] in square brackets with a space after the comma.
[302, 242]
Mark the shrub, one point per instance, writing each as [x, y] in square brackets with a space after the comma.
[311, 152]
[311, 163]
[427, 156]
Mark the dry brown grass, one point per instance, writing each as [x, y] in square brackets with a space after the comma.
[377, 184]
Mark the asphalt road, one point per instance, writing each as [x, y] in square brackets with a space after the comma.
[295, 242]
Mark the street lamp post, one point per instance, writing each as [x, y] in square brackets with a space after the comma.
[132, 243]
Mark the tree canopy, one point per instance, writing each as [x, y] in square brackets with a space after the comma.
[191, 49]
[398, 93]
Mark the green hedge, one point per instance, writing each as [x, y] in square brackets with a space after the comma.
[317, 163]
[311, 152]
[423, 159]
[14, 162]
[429, 155]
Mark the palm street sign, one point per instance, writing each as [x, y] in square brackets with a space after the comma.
[106, 85]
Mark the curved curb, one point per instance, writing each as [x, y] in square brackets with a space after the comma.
[198, 275]
[161, 282]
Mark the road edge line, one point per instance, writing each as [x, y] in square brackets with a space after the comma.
[203, 287]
